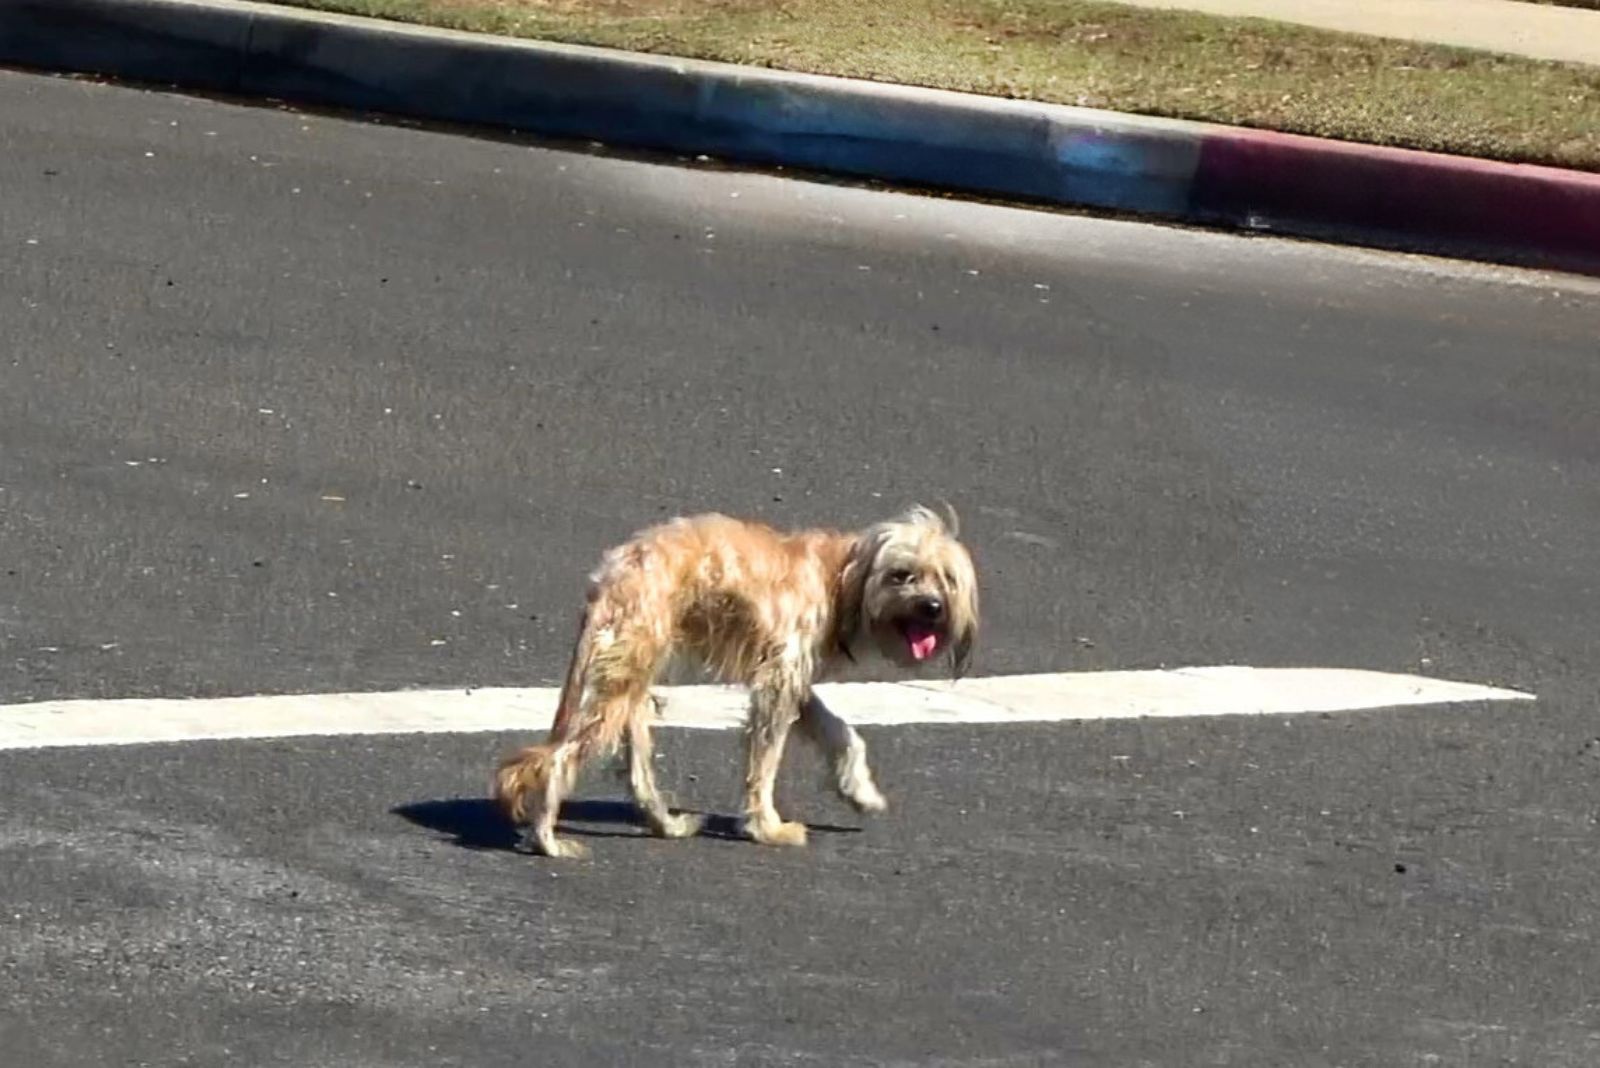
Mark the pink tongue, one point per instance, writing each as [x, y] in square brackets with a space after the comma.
[923, 642]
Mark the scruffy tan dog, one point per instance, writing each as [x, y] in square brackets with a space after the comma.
[773, 611]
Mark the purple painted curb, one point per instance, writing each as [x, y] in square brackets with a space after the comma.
[1540, 216]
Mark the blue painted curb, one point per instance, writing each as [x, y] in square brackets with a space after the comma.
[868, 129]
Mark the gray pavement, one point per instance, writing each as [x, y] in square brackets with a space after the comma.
[289, 400]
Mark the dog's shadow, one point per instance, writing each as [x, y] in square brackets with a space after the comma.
[478, 823]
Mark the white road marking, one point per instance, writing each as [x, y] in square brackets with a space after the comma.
[1002, 699]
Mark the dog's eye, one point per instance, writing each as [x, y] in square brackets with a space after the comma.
[898, 577]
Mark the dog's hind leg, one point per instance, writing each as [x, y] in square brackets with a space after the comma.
[642, 779]
[530, 785]
[564, 766]
[846, 752]
[593, 731]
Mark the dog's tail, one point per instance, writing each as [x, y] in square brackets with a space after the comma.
[572, 685]
[521, 777]
[525, 774]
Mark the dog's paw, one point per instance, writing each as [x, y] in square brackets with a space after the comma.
[681, 825]
[788, 833]
[856, 786]
[562, 849]
[867, 798]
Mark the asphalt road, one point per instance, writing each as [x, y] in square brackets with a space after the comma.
[290, 403]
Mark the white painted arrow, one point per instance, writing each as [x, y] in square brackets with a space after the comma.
[1000, 699]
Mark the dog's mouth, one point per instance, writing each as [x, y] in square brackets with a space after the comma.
[922, 641]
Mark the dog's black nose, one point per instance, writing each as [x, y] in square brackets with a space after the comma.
[928, 607]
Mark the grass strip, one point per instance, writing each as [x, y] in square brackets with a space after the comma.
[1246, 72]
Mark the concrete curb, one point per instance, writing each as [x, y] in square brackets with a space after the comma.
[1183, 171]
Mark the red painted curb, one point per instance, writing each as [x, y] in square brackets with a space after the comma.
[1535, 216]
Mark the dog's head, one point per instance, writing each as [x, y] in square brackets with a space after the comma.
[909, 587]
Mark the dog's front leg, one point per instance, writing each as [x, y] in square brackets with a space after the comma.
[846, 752]
[774, 707]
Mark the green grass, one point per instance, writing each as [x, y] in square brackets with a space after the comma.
[1240, 71]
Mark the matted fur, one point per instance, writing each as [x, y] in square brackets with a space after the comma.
[769, 610]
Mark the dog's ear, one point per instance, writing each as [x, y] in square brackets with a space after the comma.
[850, 590]
[966, 638]
[920, 515]
[963, 600]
